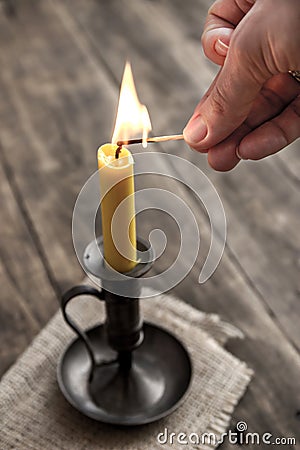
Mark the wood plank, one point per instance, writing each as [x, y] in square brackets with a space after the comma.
[46, 116]
[291, 162]
[17, 325]
[27, 298]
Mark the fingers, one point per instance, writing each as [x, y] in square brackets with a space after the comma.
[224, 157]
[274, 135]
[227, 105]
[222, 18]
[215, 43]
[207, 93]
[276, 95]
[229, 11]
[236, 113]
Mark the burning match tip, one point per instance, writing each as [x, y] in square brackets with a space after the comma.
[118, 151]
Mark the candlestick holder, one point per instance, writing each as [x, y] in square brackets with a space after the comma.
[125, 371]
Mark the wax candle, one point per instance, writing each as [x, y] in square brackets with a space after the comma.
[117, 181]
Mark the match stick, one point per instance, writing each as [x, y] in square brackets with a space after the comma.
[172, 137]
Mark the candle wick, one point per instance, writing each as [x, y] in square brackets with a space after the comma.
[118, 151]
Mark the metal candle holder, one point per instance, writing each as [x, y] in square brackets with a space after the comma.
[125, 371]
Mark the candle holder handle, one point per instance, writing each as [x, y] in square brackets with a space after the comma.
[72, 293]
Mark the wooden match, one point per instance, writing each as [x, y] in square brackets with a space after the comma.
[172, 137]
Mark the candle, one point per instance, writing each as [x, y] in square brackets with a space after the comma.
[116, 185]
[116, 178]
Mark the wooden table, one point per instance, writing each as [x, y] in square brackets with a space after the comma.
[61, 65]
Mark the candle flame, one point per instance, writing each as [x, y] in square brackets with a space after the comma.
[132, 117]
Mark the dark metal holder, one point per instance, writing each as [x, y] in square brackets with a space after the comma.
[123, 372]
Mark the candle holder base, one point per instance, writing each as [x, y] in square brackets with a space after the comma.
[154, 385]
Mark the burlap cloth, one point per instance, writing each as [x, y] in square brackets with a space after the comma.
[35, 415]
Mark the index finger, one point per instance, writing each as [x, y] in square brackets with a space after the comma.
[227, 13]
[222, 18]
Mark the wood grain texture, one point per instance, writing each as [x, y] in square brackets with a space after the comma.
[27, 298]
[47, 120]
[61, 64]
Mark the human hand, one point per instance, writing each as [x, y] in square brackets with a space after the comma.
[252, 108]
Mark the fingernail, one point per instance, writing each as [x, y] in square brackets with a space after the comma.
[221, 48]
[195, 131]
[237, 152]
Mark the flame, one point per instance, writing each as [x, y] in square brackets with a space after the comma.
[132, 117]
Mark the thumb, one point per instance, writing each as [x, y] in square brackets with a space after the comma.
[229, 100]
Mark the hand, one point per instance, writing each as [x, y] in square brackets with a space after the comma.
[252, 108]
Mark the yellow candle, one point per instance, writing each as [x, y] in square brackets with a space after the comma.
[117, 181]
